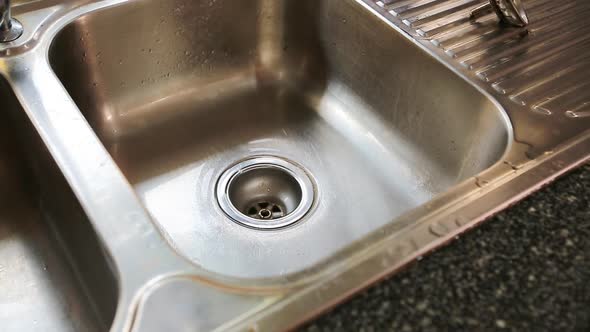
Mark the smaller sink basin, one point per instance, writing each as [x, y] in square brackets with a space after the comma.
[180, 91]
[53, 274]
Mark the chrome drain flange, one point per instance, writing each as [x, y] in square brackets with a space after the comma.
[265, 192]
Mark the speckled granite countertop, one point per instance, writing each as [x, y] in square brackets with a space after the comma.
[526, 269]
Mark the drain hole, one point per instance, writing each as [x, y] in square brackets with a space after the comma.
[265, 214]
[265, 210]
[265, 192]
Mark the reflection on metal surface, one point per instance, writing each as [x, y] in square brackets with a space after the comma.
[509, 11]
[53, 273]
[10, 29]
[396, 110]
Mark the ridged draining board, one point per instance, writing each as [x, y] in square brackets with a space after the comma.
[544, 67]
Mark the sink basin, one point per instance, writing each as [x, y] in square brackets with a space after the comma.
[53, 274]
[180, 91]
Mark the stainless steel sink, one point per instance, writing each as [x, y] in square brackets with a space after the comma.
[54, 275]
[245, 165]
[379, 125]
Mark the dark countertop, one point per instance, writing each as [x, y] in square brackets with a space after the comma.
[526, 269]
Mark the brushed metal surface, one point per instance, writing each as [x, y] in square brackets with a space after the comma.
[542, 66]
[126, 112]
[53, 273]
[177, 104]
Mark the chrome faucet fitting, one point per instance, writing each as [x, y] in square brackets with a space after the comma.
[10, 29]
[511, 12]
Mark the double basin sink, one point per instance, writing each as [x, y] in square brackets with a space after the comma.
[122, 117]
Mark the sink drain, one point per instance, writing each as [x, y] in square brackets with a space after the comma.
[265, 192]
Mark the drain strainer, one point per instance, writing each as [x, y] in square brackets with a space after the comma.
[265, 192]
